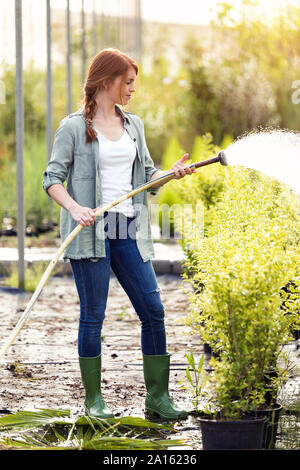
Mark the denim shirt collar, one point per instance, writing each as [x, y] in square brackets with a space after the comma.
[122, 114]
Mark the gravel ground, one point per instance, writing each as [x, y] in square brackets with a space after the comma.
[40, 369]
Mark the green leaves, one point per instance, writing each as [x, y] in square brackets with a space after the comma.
[56, 429]
[195, 383]
[248, 254]
[30, 419]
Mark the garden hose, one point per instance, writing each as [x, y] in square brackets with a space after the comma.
[221, 158]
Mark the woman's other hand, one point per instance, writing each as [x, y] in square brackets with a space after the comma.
[83, 215]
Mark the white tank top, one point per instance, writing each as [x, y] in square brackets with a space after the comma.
[116, 160]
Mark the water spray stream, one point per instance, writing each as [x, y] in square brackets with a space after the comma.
[274, 152]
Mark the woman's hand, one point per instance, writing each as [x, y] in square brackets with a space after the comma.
[83, 215]
[181, 169]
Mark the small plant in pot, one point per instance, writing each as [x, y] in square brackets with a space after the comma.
[248, 253]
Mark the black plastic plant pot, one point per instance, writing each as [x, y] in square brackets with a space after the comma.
[241, 434]
[272, 416]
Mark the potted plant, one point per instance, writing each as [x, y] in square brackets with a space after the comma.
[248, 253]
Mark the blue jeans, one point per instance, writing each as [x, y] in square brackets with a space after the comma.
[137, 278]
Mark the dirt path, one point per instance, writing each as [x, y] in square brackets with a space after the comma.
[41, 367]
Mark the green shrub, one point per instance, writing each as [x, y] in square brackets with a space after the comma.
[38, 205]
[249, 252]
[168, 195]
[201, 192]
[34, 107]
[8, 183]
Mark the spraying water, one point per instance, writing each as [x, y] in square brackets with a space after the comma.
[273, 152]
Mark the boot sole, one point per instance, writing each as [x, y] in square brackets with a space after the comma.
[157, 414]
[98, 417]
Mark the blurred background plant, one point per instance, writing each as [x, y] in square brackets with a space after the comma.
[223, 87]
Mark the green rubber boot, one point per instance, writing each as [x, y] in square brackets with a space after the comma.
[95, 406]
[156, 375]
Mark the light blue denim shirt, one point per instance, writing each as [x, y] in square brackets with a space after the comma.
[77, 162]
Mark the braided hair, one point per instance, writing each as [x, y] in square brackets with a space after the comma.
[104, 68]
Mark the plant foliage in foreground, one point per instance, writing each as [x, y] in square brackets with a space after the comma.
[242, 269]
[57, 430]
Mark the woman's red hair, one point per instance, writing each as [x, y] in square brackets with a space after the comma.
[105, 67]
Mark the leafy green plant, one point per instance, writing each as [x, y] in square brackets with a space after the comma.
[248, 253]
[201, 192]
[58, 430]
[38, 206]
[168, 197]
[200, 100]
[195, 382]
[34, 109]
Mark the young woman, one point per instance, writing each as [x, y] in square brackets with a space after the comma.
[102, 154]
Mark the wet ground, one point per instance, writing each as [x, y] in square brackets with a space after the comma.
[40, 369]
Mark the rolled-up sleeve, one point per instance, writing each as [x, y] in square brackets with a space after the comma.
[61, 157]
